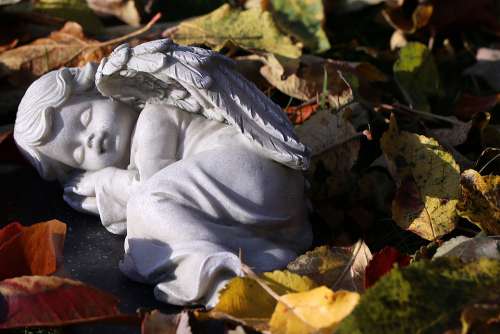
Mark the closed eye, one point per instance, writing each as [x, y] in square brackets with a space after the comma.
[78, 155]
[86, 117]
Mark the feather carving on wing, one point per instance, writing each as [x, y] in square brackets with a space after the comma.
[201, 81]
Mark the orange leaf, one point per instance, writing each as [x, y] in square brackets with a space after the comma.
[52, 301]
[300, 114]
[32, 250]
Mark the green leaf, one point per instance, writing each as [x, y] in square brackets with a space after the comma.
[425, 297]
[429, 182]
[72, 10]
[303, 19]
[248, 29]
[416, 74]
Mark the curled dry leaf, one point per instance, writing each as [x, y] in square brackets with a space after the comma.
[383, 262]
[316, 311]
[339, 268]
[311, 77]
[32, 250]
[398, 18]
[428, 179]
[480, 200]
[252, 29]
[302, 113]
[470, 249]
[30, 301]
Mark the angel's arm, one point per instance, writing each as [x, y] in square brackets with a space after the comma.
[156, 139]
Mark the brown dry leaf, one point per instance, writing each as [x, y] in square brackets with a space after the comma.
[155, 322]
[469, 105]
[304, 78]
[480, 200]
[454, 135]
[32, 250]
[428, 178]
[482, 317]
[125, 10]
[65, 47]
[29, 301]
[396, 16]
[316, 311]
[339, 268]
[334, 144]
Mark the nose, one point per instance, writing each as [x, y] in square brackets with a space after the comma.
[96, 141]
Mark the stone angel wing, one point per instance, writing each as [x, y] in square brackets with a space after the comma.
[205, 82]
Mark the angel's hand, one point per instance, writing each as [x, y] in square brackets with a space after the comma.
[81, 203]
[84, 183]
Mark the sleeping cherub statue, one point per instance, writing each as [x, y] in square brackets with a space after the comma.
[171, 146]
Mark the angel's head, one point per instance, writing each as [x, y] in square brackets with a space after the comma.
[63, 123]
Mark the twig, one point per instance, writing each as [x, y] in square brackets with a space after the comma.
[131, 35]
[400, 107]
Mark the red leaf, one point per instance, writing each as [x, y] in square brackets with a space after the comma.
[52, 301]
[382, 262]
[469, 105]
[32, 250]
[300, 114]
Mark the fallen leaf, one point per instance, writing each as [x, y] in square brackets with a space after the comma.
[480, 200]
[454, 135]
[125, 10]
[339, 268]
[334, 145]
[32, 250]
[417, 76]
[72, 10]
[487, 67]
[398, 18]
[303, 19]
[469, 105]
[245, 299]
[428, 179]
[302, 113]
[312, 77]
[251, 29]
[155, 322]
[30, 301]
[470, 249]
[425, 297]
[383, 262]
[316, 311]
[481, 317]
[65, 47]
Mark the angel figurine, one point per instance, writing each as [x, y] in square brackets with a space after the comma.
[171, 146]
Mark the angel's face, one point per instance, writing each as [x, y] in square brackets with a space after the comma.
[91, 133]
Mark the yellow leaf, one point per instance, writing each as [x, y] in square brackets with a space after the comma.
[245, 299]
[480, 200]
[317, 311]
[428, 179]
[249, 29]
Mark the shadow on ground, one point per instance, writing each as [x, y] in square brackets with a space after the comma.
[91, 254]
